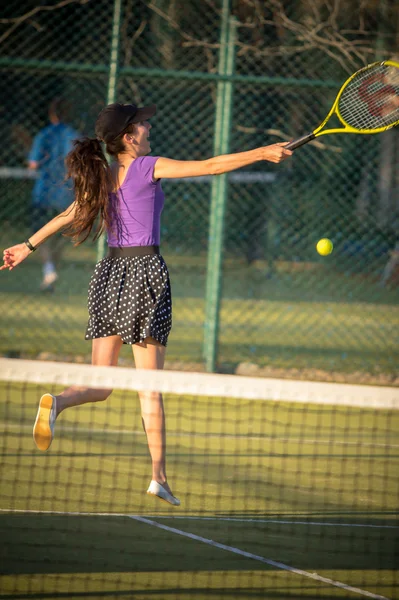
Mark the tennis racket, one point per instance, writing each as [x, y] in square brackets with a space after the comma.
[368, 102]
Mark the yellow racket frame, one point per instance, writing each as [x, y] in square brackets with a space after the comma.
[334, 109]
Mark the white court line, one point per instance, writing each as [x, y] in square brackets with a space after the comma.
[267, 561]
[278, 522]
[68, 428]
[194, 518]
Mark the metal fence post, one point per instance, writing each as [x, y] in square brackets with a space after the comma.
[112, 83]
[223, 115]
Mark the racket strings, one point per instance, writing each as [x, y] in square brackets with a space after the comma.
[371, 98]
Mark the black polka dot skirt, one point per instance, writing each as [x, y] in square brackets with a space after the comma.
[130, 297]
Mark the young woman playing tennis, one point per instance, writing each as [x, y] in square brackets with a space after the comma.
[129, 297]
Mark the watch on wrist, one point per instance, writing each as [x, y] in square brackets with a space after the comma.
[31, 248]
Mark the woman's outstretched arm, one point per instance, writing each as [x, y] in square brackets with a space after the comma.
[166, 168]
[14, 255]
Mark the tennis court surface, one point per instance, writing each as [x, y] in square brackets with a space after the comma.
[288, 490]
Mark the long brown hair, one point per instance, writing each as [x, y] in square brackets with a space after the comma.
[88, 167]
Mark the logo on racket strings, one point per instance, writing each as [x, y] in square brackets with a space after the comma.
[375, 98]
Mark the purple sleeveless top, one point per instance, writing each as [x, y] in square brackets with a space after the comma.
[137, 206]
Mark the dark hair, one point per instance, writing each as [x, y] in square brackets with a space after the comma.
[61, 108]
[88, 167]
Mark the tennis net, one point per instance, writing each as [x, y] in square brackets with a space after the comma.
[288, 489]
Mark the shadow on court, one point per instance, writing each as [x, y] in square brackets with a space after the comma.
[189, 593]
[39, 543]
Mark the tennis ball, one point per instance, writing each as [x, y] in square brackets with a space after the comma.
[324, 246]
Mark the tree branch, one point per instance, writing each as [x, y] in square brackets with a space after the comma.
[313, 32]
[190, 40]
[18, 21]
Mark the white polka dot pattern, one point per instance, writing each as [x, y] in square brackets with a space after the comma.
[130, 297]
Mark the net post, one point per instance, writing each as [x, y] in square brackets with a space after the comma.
[222, 131]
[112, 83]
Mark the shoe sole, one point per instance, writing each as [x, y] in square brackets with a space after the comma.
[163, 499]
[41, 430]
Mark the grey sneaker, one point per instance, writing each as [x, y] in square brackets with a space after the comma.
[156, 489]
[48, 282]
[43, 429]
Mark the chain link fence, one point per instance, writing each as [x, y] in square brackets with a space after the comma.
[271, 305]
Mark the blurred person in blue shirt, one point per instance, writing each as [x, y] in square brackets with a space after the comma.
[52, 193]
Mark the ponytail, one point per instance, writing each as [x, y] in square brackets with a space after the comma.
[88, 167]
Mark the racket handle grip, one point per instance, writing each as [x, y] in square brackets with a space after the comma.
[300, 141]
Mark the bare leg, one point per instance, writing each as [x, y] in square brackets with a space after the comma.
[45, 254]
[50, 255]
[49, 270]
[151, 355]
[391, 266]
[58, 248]
[105, 352]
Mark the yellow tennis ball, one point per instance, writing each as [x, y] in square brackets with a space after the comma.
[324, 246]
